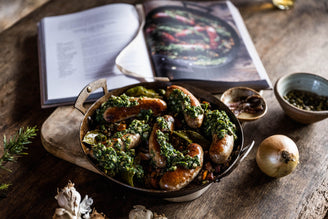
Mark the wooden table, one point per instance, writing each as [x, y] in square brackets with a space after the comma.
[287, 41]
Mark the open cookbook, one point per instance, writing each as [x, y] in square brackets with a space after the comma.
[205, 44]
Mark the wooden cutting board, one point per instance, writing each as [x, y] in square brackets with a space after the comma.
[60, 136]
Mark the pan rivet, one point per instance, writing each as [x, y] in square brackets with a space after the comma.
[89, 89]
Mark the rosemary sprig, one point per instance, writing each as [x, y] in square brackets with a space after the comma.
[15, 147]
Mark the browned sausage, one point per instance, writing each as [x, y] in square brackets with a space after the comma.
[115, 114]
[220, 149]
[154, 147]
[127, 141]
[133, 141]
[191, 121]
[181, 177]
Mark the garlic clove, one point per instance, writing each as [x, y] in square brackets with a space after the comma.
[140, 212]
[85, 207]
[62, 213]
[69, 199]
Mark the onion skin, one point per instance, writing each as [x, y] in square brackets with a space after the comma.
[277, 156]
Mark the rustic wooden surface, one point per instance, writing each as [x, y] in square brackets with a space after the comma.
[287, 41]
[14, 10]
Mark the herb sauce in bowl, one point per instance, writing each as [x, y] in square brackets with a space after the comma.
[307, 100]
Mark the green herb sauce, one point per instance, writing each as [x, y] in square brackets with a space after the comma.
[307, 100]
[218, 122]
[118, 163]
[121, 101]
[174, 158]
[110, 155]
[114, 101]
[136, 127]
[146, 115]
[178, 99]
[162, 123]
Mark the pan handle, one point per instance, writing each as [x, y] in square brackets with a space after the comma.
[87, 90]
[245, 151]
[243, 154]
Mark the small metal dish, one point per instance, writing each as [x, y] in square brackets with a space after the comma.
[246, 103]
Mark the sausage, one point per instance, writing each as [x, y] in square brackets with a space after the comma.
[181, 177]
[127, 141]
[131, 140]
[220, 149]
[212, 34]
[115, 114]
[191, 122]
[154, 147]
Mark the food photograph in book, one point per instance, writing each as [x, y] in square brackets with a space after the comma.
[196, 40]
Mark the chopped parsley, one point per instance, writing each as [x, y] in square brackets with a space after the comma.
[135, 127]
[114, 155]
[114, 101]
[146, 114]
[162, 123]
[178, 99]
[218, 122]
[121, 101]
[174, 158]
[118, 163]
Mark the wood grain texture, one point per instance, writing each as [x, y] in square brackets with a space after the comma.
[287, 41]
[14, 10]
[60, 136]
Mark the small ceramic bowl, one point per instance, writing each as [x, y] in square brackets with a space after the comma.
[246, 103]
[306, 82]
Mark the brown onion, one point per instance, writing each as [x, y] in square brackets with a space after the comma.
[277, 156]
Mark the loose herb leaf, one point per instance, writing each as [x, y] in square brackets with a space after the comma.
[4, 186]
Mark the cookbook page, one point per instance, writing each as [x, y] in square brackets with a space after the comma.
[134, 60]
[202, 41]
[81, 47]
